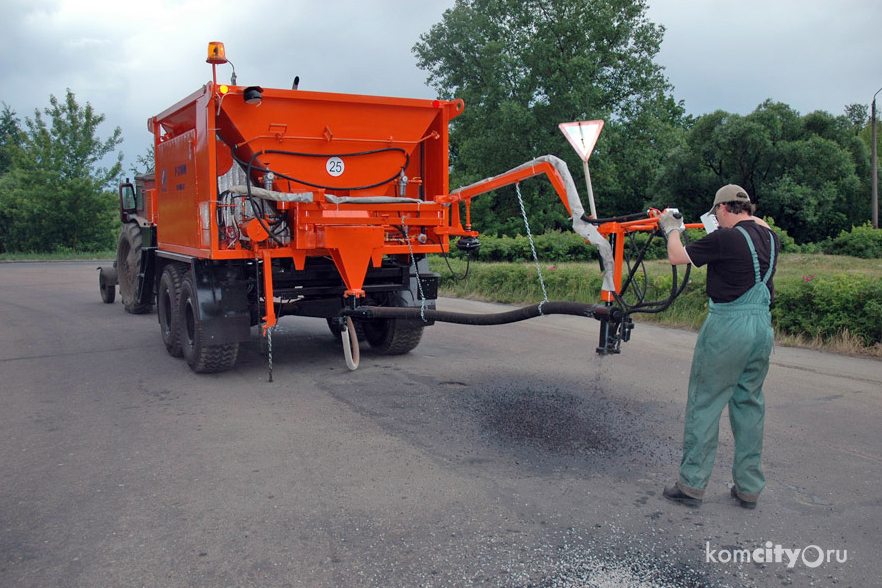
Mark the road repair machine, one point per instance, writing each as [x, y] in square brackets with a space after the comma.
[272, 202]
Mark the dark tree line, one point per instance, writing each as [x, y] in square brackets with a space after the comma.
[804, 171]
[523, 66]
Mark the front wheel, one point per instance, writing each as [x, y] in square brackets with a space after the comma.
[128, 265]
[201, 358]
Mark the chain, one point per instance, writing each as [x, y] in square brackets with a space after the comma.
[269, 344]
[417, 272]
[532, 247]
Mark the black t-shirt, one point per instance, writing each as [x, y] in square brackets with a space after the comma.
[729, 263]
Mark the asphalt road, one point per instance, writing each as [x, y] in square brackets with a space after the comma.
[489, 456]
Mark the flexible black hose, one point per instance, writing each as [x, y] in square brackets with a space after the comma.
[598, 311]
[615, 219]
[662, 305]
[250, 166]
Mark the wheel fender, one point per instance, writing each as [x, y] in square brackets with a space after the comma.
[222, 303]
[422, 290]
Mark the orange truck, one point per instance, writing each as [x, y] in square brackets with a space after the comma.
[274, 202]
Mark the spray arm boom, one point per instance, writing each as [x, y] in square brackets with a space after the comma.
[526, 171]
[559, 175]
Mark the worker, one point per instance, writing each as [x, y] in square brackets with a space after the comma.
[732, 352]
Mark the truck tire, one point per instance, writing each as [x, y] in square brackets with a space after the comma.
[168, 302]
[200, 357]
[128, 265]
[392, 336]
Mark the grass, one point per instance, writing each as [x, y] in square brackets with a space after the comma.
[517, 283]
[59, 256]
[798, 265]
[843, 342]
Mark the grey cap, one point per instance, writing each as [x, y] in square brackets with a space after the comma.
[731, 193]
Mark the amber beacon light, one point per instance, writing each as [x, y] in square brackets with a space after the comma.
[216, 53]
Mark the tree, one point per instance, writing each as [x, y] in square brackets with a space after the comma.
[524, 66]
[10, 133]
[804, 171]
[812, 198]
[857, 116]
[144, 163]
[57, 193]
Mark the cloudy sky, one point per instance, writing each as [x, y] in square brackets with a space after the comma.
[130, 60]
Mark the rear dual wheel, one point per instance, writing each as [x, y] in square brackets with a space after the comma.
[168, 299]
[390, 336]
[386, 336]
[181, 326]
[200, 356]
[393, 336]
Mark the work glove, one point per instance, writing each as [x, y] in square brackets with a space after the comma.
[668, 223]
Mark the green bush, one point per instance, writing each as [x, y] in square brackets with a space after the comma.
[554, 246]
[788, 244]
[657, 248]
[558, 247]
[827, 306]
[562, 246]
[811, 247]
[862, 241]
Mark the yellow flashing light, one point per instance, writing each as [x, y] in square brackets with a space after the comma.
[224, 89]
[216, 53]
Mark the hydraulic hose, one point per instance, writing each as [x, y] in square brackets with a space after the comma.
[615, 219]
[598, 311]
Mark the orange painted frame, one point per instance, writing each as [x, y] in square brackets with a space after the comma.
[369, 132]
[619, 230]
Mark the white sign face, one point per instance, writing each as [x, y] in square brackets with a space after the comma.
[582, 135]
[335, 166]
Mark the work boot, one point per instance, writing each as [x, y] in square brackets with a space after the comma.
[674, 493]
[743, 503]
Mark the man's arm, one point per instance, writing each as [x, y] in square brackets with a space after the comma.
[676, 251]
[670, 225]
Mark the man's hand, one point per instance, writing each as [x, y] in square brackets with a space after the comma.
[668, 223]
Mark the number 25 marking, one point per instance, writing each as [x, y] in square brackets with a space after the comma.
[335, 166]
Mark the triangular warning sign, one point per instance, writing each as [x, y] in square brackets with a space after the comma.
[582, 135]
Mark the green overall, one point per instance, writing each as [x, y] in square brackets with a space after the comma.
[729, 365]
